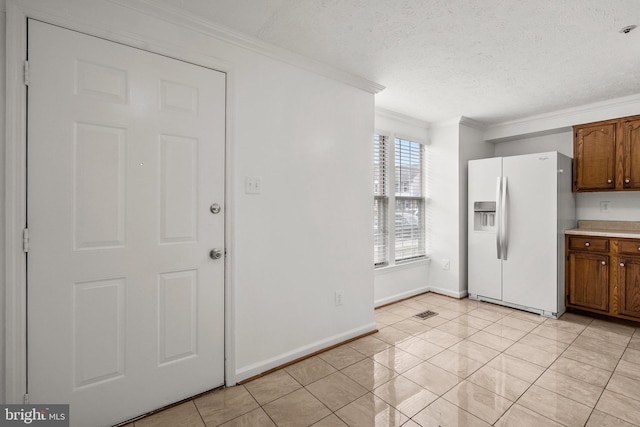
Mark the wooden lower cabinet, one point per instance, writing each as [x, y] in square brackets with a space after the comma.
[588, 285]
[603, 275]
[629, 286]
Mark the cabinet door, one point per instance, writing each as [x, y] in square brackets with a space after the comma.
[595, 153]
[631, 159]
[629, 286]
[588, 281]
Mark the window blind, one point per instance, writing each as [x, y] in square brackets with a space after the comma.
[409, 200]
[380, 200]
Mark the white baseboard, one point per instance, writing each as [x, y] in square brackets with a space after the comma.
[268, 364]
[400, 296]
[448, 292]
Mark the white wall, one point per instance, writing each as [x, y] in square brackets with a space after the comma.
[2, 203]
[471, 146]
[401, 281]
[445, 196]
[309, 232]
[561, 141]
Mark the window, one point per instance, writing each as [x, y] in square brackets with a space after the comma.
[400, 166]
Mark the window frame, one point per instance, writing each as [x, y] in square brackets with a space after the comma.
[392, 198]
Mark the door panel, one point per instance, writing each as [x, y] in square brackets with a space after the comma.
[589, 281]
[629, 286]
[125, 154]
[530, 275]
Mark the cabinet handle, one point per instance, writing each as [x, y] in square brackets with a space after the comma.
[622, 264]
[587, 244]
[626, 181]
[609, 181]
[603, 262]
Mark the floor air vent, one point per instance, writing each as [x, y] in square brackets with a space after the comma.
[426, 314]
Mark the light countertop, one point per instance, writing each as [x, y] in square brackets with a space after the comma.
[623, 229]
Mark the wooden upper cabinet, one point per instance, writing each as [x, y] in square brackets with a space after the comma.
[607, 155]
[594, 157]
[631, 150]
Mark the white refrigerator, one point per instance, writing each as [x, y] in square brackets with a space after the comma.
[518, 210]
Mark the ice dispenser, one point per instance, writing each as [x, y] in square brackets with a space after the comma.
[484, 216]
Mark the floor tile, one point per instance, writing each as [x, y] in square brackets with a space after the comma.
[474, 322]
[606, 335]
[310, 370]
[457, 329]
[257, 417]
[442, 413]
[402, 310]
[516, 367]
[480, 402]
[529, 317]
[485, 314]
[580, 371]
[543, 343]
[455, 363]
[598, 345]
[391, 335]
[330, 421]
[592, 358]
[299, 408]
[554, 406]
[505, 331]
[371, 411]
[532, 354]
[555, 334]
[601, 419]
[341, 357]
[405, 395]
[499, 382]
[474, 351]
[609, 326]
[185, 414]
[412, 327]
[387, 318]
[517, 323]
[272, 386]
[420, 348]
[336, 390]
[625, 386]
[620, 406]
[223, 405]
[440, 337]
[631, 355]
[635, 343]
[369, 373]
[563, 325]
[493, 341]
[368, 345]
[435, 321]
[628, 369]
[519, 416]
[433, 378]
[397, 359]
[580, 391]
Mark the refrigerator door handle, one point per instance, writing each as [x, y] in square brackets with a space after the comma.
[499, 218]
[505, 219]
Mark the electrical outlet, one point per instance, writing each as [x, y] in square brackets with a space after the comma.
[446, 264]
[253, 184]
[339, 296]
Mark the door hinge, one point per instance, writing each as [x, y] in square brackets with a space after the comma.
[25, 240]
[25, 399]
[26, 73]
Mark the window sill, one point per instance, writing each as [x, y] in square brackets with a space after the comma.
[403, 265]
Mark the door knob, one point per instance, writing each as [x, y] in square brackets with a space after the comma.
[587, 244]
[215, 254]
[622, 264]
[604, 263]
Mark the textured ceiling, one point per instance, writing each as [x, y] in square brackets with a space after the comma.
[489, 60]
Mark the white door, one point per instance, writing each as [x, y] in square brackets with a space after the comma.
[125, 158]
[485, 273]
[530, 270]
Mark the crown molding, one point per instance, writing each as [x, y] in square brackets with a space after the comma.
[393, 115]
[178, 17]
[461, 120]
[563, 119]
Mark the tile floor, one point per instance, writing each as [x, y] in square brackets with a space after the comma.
[474, 364]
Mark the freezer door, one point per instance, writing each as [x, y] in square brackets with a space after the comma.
[484, 271]
[530, 270]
